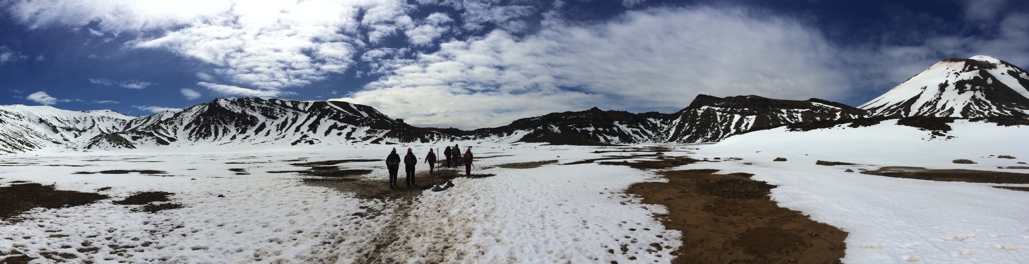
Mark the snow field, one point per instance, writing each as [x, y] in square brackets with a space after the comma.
[550, 214]
[893, 220]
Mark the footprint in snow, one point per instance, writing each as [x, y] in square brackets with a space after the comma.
[876, 245]
[914, 258]
[1009, 247]
[967, 252]
[960, 238]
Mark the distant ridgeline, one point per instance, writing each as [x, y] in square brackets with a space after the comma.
[981, 88]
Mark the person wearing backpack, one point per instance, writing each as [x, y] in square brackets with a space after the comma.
[457, 155]
[446, 154]
[431, 159]
[393, 165]
[409, 161]
[468, 162]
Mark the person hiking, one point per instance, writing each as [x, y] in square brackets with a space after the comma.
[393, 165]
[468, 162]
[446, 154]
[431, 159]
[409, 161]
[457, 155]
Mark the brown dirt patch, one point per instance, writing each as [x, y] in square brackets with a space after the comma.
[378, 188]
[331, 162]
[832, 163]
[328, 172]
[730, 219]
[145, 198]
[664, 163]
[150, 200]
[951, 175]
[527, 165]
[964, 161]
[19, 198]
[585, 161]
[123, 172]
[1024, 189]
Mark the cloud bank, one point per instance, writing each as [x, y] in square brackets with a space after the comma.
[653, 59]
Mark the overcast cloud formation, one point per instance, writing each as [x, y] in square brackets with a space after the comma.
[483, 63]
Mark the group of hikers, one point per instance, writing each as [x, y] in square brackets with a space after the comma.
[453, 156]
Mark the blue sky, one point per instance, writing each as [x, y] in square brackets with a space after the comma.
[483, 63]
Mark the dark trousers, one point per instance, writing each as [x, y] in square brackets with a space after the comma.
[393, 175]
[410, 175]
[468, 169]
[431, 165]
[448, 162]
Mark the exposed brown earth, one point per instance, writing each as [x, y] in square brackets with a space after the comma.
[663, 163]
[527, 165]
[123, 172]
[150, 200]
[951, 175]
[19, 198]
[378, 188]
[731, 219]
[832, 163]
[1024, 189]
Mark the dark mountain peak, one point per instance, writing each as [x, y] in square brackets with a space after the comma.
[980, 86]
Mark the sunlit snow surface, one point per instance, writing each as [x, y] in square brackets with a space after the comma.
[555, 213]
[551, 214]
[894, 220]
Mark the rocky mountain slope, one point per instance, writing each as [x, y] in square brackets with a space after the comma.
[710, 118]
[980, 86]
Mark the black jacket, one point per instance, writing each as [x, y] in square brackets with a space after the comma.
[393, 159]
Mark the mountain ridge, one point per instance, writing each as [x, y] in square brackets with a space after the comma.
[964, 88]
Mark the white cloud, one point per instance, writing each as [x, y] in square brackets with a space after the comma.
[205, 77]
[190, 94]
[656, 59]
[8, 55]
[133, 84]
[434, 26]
[105, 102]
[229, 90]
[270, 45]
[40, 58]
[156, 109]
[101, 81]
[42, 98]
[130, 84]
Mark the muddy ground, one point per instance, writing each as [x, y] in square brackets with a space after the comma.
[729, 218]
[951, 175]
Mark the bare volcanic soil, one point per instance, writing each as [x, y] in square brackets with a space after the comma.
[731, 219]
[19, 198]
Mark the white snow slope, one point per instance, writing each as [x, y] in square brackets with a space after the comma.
[893, 220]
[957, 88]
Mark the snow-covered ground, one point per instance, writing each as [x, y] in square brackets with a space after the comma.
[555, 213]
[551, 214]
[892, 220]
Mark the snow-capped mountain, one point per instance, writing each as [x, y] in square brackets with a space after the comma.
[710, 119]
[980, 86]
[24, 128]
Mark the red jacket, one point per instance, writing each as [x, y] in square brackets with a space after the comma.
[468, 157]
